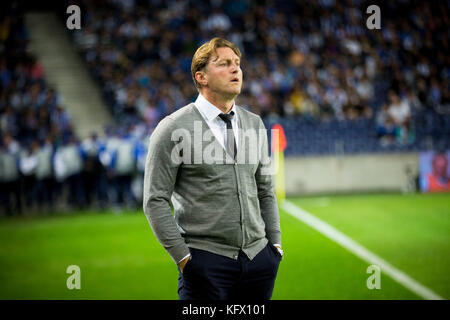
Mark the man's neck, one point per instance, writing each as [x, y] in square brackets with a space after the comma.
[221, 103]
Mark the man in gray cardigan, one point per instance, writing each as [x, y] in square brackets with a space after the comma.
[210, 161]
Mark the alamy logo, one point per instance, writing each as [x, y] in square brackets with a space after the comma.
[374, 281]
[74, 20]
[374, 20]
[73, 281]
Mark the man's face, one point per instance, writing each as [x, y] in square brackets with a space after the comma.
[223, 73]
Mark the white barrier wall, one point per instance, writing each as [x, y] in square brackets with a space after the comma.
[350, 173]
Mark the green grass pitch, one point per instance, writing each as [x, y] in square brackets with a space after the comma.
[120, 258]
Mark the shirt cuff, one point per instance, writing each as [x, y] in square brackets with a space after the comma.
[277, 244]
[188, 255]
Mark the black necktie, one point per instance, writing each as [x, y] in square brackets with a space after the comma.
[231, 143]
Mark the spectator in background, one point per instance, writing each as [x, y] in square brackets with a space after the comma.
[27, 164]
[68, 168]
[300, 104]
[10, 175]
[437, 180]
[106, 157]
[123, 164]
[385, 127]
[62, 119]
[5, 74]
[8, 121]
[94, 176]
[141, 155]
[44, 175]
[400, 113]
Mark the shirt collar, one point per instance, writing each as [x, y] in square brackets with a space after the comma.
[209, 110]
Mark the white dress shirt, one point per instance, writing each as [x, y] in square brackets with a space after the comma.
[218, 127]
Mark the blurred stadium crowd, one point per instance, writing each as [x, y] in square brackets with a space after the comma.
[312, 62]
[313, 66]
[44, 166]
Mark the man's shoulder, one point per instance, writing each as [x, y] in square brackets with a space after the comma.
[182, 113]
[248, 115]
[176, 118]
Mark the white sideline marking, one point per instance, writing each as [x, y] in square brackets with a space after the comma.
[363, 253]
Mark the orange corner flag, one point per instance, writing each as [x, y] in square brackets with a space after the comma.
[279, 145]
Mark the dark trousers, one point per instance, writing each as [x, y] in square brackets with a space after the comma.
[209, 276]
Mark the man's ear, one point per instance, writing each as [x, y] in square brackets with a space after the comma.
[201, 78]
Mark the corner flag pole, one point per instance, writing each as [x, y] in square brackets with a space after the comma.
[278, 146]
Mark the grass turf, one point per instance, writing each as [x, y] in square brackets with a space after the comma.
[120, 258]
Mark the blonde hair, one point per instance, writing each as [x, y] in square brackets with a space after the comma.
[204, 53]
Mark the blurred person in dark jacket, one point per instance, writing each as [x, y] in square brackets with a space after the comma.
[10, 176]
